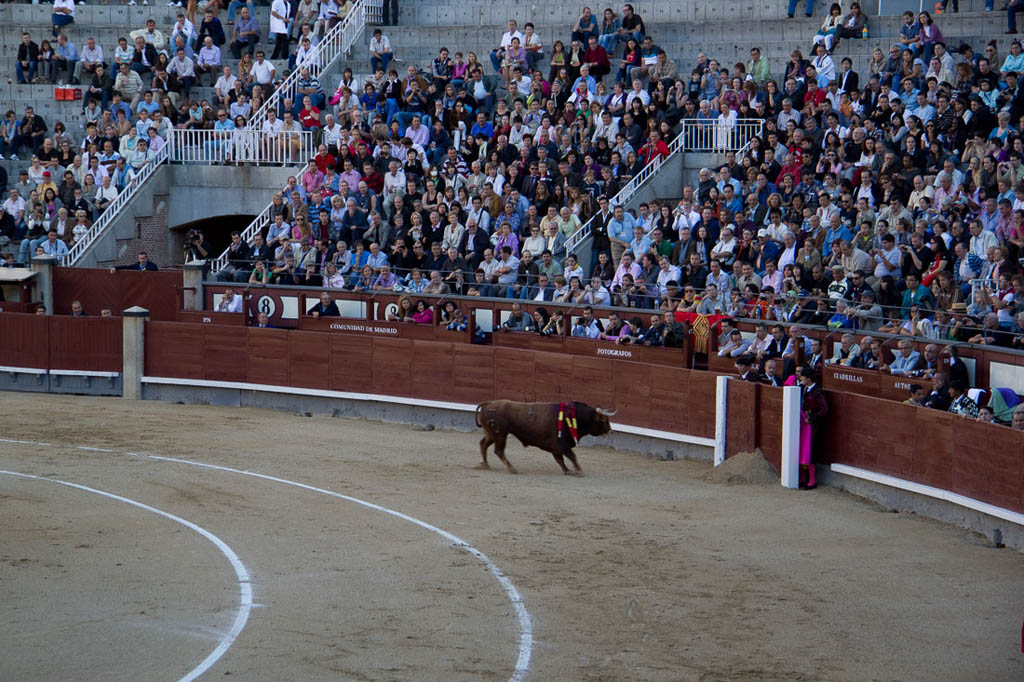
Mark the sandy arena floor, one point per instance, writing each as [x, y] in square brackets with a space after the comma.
[639, 570]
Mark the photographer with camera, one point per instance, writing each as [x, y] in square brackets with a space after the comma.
[196, 247]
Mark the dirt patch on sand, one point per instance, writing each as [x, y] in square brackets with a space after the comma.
[746, 468]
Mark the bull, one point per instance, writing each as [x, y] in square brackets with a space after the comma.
[538, 425]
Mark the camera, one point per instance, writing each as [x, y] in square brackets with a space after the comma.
[192, 237]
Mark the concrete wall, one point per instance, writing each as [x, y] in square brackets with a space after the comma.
[180, 194]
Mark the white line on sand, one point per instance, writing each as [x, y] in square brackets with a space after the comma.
[244, 584]
[522, 615]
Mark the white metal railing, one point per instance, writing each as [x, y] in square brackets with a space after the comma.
[712, 136]
[242, 146]
[111, 213]
[259, 223]
[694, 135]
[336, 42]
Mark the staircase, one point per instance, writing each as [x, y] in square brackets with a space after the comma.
[662, 178]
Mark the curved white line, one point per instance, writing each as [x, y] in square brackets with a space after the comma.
[522, 615]
[244, 584]
[525, 621]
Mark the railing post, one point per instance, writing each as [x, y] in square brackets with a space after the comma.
[721, 417]
[133, 325]
[192, 285]
[790, 474]
[43, 266]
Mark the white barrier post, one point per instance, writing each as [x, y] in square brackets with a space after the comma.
[133, 322]
[790, 474]
[721, 393]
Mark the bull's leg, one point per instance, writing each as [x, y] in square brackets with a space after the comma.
[561, 462]
[485, 443]
[499, 450]
[572, 458]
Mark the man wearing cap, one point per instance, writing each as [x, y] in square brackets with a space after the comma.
[47, 183]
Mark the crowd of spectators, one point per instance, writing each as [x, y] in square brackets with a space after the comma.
[883, 200]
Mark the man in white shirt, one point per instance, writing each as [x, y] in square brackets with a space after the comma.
[263, 72]
[497, 55]
[279, 12]
[225, 84]
[90, 57]
[230, 302]
[394, 184]
[380, 51]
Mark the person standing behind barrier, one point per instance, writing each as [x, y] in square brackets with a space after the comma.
[813, 409]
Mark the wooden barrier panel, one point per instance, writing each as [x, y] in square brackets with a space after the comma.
[702, 404]
[850, 379]
[24, 340]
[86, 343]
[741, 408]
[210, 317]
[225, 354]
[268, 352]
[309, 359]
[97, 288]
[431, 370]
[351, 363]
[174, 349]
[988, 463]
[473, 373]
[898, 387]
[769, 423]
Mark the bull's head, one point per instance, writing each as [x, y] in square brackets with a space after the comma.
[602, 423]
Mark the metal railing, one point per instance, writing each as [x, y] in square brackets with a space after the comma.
[694, 135]
[242, 146]
[260, 223]
[111, 213]
[712, 136]
[336, 42]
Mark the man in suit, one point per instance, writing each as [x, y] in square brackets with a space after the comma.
[142, 264]
[848, 79]
[907, 359]
[238, 258]
[745, 368]
[473, 244]
[325, 307]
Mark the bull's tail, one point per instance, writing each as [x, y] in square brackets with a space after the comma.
[476, 415]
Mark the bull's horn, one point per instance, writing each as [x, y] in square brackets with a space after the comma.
[607, 413]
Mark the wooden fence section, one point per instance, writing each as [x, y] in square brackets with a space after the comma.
[938, 449]
[158, 291]
[61, 342]
[658, 397]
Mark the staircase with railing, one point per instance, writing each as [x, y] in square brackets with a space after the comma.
[336, 42]
[112, 212]
[695, 135]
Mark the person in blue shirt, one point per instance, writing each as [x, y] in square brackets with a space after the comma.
[65, 58]
[837, 231]
[620, 232]
[482, 126]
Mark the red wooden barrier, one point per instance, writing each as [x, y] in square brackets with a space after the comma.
[981, 461]
[156, 291]
[24, 340]
[86, 343]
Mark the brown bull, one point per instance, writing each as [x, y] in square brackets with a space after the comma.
[537, 425]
